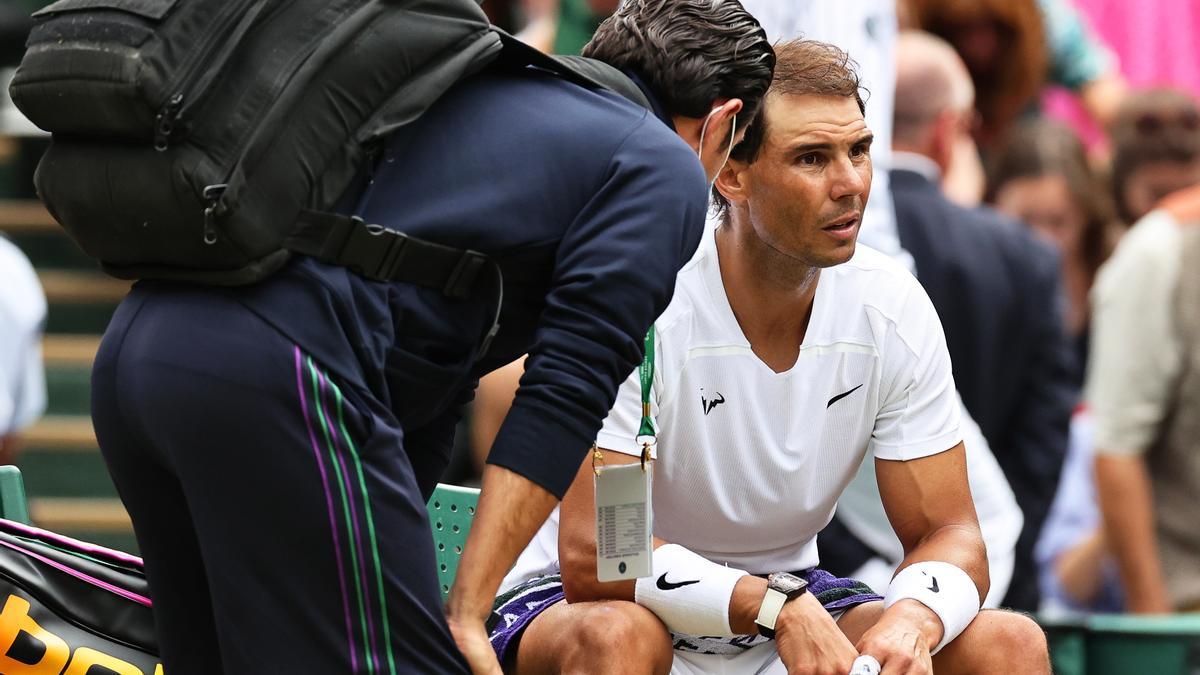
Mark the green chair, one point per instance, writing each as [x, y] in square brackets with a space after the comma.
[451, 510]
[1067, 637]
[12, 495]
[1163, 645]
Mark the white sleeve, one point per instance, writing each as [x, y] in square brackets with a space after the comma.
[1135, 354]
[22, 316]
[918, 408]
[620, 429]
[29, 397]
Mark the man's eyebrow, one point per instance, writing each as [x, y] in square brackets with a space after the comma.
[867, 138]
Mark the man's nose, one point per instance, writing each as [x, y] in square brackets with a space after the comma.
[847, 180]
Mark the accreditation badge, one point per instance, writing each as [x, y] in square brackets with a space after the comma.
[624, 522]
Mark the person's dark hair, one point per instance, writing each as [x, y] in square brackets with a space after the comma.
[1042, 148]
[801, 67]
[1006, 85]
[689, 52]
[1153, 126]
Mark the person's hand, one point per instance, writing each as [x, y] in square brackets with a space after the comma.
[902, 638]
[809, 641]
[472, 639]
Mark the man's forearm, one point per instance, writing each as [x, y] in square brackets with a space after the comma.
[958, 545]
[511, 509]
[1127, 504]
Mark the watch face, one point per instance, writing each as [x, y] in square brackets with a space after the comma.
[788, 584]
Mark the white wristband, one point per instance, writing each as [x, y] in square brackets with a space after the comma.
[944, 588]
[688, 593]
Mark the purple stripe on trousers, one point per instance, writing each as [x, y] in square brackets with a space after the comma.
[362, 556]
[337, 547]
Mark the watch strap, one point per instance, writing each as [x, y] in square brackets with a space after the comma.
[768, 612]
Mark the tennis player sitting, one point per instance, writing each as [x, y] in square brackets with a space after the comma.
[785, 356]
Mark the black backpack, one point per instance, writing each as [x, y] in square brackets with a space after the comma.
[207, 140]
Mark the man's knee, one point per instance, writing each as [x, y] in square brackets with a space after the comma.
[615, 632]
[1000, 641]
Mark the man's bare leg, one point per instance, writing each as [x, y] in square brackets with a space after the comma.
[615, 636]
[997, 642]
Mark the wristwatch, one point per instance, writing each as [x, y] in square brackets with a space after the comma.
[781, 587]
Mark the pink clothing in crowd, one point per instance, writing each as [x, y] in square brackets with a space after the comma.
[1156, 41]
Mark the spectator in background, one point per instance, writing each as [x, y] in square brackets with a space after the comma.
[22, 378]
[1156, 150]
[1003, 44]
[1041, 176]
[1081, 62]
[1076, 572]
[1144, 389]
[996, 289]
[1154, 43]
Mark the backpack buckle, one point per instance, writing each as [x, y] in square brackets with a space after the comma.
[461, 281]
[371, 250]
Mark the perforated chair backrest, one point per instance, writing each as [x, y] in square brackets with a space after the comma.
[13, 505]
[451, 510]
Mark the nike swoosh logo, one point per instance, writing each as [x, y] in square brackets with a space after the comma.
[839, 397]
[664, 585]
[934, 587]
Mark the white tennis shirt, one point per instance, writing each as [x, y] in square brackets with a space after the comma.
[750, 463]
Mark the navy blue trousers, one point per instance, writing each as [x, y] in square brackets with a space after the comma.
[281, 521]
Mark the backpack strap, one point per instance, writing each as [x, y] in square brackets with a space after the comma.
[383, 254]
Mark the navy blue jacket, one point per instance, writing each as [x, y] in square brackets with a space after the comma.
[590, 204]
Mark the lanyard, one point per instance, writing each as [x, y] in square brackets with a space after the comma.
[647, 436]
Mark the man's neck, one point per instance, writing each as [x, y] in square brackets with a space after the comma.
[771, 294]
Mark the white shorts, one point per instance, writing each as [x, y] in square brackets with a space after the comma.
[760, 660]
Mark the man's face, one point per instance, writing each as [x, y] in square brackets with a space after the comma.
[807, 189]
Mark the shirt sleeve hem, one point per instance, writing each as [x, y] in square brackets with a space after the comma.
[918, 449]
[541, 447]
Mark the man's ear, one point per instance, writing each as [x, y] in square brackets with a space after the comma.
[722, 123]
[732, 182]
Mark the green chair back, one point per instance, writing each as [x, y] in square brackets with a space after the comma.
[13, 505]
[451, 510]
[1115, 644]
[1163, 645]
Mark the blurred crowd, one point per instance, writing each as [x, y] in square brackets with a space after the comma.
[1043, 183]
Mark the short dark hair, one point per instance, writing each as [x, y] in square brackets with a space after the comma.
[689, 52]
[801, 67]
[1153, 126]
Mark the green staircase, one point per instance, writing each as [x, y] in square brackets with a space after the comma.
[68, 487]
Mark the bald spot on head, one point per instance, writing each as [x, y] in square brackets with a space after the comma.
[930, 78]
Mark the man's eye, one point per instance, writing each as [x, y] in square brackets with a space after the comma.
[860, 151]
[810, 159]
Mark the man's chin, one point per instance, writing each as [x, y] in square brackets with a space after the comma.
[840, 254]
